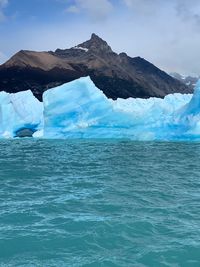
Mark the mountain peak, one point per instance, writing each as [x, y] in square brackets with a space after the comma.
[118, 76]
[96, 44]
[95, 37]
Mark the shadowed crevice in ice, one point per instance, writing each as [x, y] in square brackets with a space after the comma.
[26, 131]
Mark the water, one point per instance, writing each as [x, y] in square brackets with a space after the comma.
[106, 203]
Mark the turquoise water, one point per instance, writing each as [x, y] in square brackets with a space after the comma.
[106, 203]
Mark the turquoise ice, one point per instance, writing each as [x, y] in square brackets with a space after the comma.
[19, 111]
[80, 110]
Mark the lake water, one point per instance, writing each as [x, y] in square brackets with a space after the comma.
[99, 203]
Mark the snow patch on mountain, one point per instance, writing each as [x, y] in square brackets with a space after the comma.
[81, 48]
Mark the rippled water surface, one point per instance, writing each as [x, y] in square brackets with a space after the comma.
[105, 203]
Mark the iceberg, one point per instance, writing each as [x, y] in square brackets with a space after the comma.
[80, 110]
[19, 111]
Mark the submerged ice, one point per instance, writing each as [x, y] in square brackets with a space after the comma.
[80, 110]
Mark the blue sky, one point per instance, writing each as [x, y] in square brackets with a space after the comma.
[164, 32]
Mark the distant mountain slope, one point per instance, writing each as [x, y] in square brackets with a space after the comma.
[190, 81]
[117, 75]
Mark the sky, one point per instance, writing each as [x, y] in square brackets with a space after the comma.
[164, 32]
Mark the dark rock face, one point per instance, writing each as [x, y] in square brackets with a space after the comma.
[116, 75]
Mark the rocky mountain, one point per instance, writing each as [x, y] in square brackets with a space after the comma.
[190, 81]
[117, 75]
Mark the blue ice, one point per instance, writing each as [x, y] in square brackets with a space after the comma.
[80, 110]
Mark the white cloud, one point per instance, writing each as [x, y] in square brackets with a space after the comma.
[184, 8]
[189, 10]
[138, 4]
[164, 32]
[3, 4]
[73, 9]
[95, 9]
[146, 7]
